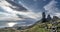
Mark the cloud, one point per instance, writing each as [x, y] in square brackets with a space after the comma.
[52, 8]
[8, 17]
[15, 5]
[11, 14]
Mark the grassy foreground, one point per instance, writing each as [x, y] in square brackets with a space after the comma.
[39, 27]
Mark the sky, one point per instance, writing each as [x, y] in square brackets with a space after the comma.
[27, 10]
[49, 6]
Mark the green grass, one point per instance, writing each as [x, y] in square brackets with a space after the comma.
[38, 27]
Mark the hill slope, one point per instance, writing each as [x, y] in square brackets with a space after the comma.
[38, 27]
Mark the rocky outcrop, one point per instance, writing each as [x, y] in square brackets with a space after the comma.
[49, 18]
[55, 18]
[43, 17]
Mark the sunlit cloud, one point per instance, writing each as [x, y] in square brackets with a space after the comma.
[52, 9]
[9, 17]
[51, 6]
[11, 24]
[12, 14]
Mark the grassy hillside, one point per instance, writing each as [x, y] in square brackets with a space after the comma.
[38, 27]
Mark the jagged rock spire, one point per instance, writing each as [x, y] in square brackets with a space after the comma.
[43, 17]
[49, 17]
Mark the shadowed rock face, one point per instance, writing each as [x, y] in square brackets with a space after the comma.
[43, 17]
[49, 18]
[17, 6]
[55, 18]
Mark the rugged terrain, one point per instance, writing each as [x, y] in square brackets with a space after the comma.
[37, 27]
